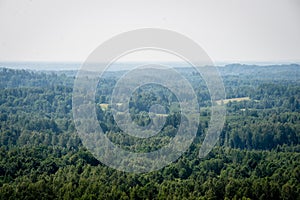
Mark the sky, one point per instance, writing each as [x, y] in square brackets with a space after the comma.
[229, 31]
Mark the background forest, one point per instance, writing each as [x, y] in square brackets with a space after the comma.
[257, 155]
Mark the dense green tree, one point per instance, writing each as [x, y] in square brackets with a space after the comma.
[257, 156]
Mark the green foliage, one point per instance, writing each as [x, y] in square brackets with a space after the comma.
[257, 157]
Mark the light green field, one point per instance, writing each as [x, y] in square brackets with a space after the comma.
[104, 106]
[233, 99]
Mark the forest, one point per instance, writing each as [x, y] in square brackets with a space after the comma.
[257, 155]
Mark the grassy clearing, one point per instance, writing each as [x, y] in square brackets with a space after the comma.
[104, 106]
[233, 99]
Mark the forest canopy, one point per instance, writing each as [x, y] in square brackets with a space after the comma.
[257, 155]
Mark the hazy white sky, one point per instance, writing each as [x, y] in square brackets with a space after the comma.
[228, 30]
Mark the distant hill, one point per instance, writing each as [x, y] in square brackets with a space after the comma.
[291, 72]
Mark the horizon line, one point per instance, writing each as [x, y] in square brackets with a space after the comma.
[163, 61]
